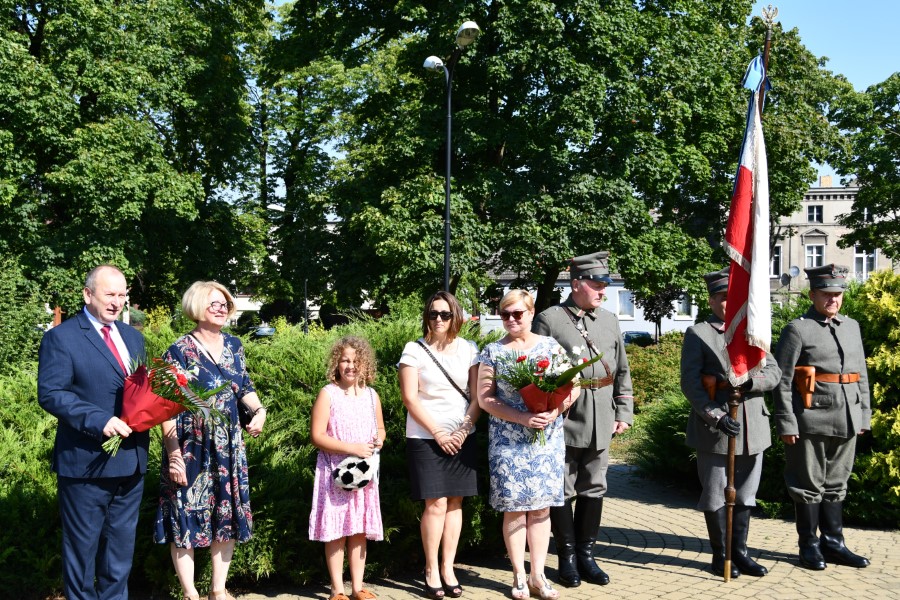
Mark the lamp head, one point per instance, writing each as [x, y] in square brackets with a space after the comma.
[467, 34]
[433, 63]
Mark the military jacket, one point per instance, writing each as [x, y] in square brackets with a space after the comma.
[595, 410]
[704, 353]
[831, 346]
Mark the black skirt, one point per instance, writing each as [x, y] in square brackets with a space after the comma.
[435, 474]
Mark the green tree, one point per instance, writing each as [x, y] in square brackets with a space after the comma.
[21, 316]
[872, 120]
[572, 121]
[123, 127]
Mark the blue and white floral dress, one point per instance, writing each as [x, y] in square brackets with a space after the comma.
[524, 475]
[215, 505]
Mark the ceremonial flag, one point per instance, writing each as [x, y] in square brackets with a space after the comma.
[748, 319]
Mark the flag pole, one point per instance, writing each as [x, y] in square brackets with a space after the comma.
[736, 395]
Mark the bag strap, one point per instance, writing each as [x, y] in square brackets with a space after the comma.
[443, 370]
[583, 331]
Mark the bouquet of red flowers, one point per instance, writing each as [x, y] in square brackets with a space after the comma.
[544, 382]
[156, 392]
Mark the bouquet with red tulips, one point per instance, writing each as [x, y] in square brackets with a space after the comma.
[544, 382]
[158, 391]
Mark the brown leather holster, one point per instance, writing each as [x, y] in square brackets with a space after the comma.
[805, 380]
[711, 385]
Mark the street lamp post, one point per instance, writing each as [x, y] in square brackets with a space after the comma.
[466, 34]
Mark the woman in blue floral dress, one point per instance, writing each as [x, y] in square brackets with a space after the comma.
[205, 493]
[526, 475]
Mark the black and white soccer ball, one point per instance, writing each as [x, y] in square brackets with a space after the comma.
[354, 473]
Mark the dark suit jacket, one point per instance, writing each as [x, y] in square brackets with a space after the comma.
[80, 383]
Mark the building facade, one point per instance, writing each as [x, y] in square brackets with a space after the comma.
[809, 238]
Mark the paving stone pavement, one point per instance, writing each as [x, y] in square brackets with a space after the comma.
[653, 544]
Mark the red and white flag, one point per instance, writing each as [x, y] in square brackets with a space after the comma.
[748, 318]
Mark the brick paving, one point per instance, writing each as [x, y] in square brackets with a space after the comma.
[653, 545]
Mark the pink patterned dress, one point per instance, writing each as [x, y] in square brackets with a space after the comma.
[336, 512]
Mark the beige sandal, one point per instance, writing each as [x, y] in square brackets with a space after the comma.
[544, 591]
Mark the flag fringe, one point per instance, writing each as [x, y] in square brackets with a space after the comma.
[736, 256]
[739, 381]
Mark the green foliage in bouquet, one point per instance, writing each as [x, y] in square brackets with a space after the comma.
[546, 373]
[153, 380]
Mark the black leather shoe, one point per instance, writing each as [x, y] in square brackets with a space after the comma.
[831, 525]
[715, 526]
[588, 512]
[740, 557]
[807, 526]
[563, 524]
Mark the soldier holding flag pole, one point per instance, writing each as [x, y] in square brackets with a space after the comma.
[748, 319]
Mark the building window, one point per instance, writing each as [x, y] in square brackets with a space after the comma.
[775, 265]
[863, 262]
[683, 306]
[814, 214]
[626, 304]
[815, 255]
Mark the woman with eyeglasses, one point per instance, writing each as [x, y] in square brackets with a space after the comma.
[205, 493]
[526, 474]
[437, 383]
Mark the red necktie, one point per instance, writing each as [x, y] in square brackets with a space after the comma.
[112, 346]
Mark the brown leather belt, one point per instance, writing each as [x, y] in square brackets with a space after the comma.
[837, 377]
[596, 383]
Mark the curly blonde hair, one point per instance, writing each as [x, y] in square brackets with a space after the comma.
[365, 359]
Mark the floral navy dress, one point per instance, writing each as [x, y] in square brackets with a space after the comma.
[524, 474]
[215, 505]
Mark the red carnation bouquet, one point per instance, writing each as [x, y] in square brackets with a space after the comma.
[544, 382]
[156, 392]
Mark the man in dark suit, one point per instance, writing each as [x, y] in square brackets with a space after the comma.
[81, 374]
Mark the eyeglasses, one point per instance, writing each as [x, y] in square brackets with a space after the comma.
[506, 315]
[217, 306]
[445, 315]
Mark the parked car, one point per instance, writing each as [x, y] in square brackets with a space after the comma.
[639, 338]
[264, 331]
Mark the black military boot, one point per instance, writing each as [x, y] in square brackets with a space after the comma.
[831, 524]
[563, 525]
[807, 524]
[715, 525]
[740, 527]
[587, 525]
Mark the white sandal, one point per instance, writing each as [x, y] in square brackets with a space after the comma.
[545, 591]
[520, 587]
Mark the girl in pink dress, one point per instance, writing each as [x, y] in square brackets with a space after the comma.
[346, 420]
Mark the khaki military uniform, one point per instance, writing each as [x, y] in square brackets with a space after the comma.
[591, 420]
[704, 353]
[819, 464]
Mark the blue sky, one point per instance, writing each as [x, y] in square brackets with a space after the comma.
[859, 38]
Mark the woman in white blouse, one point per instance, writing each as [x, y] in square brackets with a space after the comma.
[435, 372]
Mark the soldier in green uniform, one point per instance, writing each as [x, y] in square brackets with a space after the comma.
[821, 405]
[604, 408]
[709, 428]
